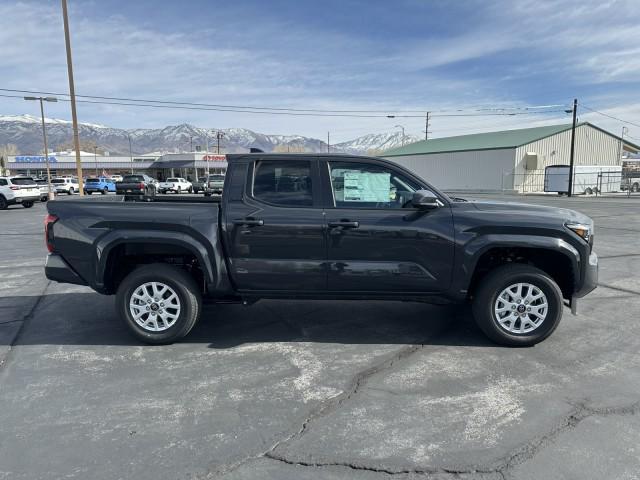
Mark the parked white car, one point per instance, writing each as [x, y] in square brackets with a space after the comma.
[66, 185]
[175, 184]
[18, 190]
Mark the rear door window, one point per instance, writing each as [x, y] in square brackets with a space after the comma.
[23, 181]
[285, 183]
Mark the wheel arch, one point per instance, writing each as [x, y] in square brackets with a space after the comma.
[111, 247]
[554, 256]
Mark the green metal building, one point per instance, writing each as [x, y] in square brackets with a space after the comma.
[509, 160]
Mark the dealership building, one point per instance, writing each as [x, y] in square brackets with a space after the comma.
[510, 160]
[192, 165]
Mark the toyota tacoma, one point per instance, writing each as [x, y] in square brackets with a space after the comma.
[323, 227]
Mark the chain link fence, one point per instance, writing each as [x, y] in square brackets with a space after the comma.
[602, 183]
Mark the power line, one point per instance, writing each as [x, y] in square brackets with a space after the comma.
[610, 116]
[235, 108]
[349, 115]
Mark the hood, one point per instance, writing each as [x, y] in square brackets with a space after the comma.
[529, 210]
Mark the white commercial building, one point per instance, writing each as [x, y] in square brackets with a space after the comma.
[510, 160]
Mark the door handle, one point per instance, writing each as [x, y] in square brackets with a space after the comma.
[249, 222]
[344, 224]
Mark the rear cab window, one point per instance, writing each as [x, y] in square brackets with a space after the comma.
[284, 183]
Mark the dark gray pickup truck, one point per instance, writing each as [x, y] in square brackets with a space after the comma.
[323, 227]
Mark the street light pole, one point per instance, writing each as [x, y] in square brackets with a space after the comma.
[44, 137]
[95, 158]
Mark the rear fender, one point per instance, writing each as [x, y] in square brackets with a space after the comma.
[106, 244]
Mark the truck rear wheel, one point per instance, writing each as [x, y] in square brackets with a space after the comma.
[160, 303]
[518, 305]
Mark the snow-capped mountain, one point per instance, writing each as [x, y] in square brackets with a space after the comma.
[375, 143]
[25, 132]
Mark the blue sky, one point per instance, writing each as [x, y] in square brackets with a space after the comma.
[382, 55]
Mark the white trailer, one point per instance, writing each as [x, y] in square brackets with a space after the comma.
[587, 179]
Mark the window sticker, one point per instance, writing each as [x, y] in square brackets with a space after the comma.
[366, 186]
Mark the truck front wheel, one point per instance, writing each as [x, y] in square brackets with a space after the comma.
[518, 305]
[160, 303]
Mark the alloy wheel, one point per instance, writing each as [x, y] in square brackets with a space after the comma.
[521, 308]
[154, 306]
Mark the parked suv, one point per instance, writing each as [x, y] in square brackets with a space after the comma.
[43, 185]
[18, 190]
[101, 185]
[66, 185]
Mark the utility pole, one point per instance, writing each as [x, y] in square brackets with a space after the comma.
[44, 137]
[573, 146]
[95, 158]
[328, 144]
[130, 153]
[191, 142]
[621, 149]
[219, 135]
[72, 94]
[426, 127]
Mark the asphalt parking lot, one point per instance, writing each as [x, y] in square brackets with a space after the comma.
[329, 390]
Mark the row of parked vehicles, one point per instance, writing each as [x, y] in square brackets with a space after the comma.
[27, 190]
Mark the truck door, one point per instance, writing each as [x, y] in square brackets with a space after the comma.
[376, 240]
[274, 226]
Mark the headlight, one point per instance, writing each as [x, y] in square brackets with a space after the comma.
[581, 229]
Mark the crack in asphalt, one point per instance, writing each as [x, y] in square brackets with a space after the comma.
[501, 467]
[357, 382]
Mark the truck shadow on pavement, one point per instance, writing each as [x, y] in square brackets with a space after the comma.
[90, 319]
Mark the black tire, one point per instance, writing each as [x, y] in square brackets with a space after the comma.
[44, 199]
[499, 279]
[27, 204]
[88, 193]
[70, 192]
[190, 190]
[635, 187]
[181, 282]
[179, 191]
[206, 194]
[105, 190]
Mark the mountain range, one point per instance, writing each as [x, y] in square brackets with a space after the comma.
[25, 131]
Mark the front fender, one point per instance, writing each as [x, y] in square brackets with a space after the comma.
[468, 255]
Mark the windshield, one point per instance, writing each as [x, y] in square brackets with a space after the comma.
[57, 180]
[133, 178]
[23, 181]
[93, 180]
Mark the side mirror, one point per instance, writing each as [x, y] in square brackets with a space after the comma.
[425, 200]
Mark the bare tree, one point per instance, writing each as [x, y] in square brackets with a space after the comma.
[5, 151]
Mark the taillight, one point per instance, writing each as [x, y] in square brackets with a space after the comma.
[141, 186]
[49, 220]
[14, 187]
